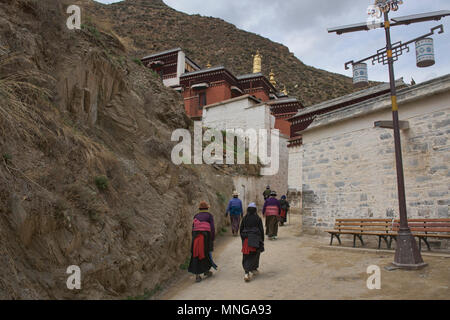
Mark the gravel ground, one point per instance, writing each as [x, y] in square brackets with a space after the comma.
[297, 267]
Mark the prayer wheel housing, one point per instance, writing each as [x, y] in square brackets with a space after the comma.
[425, 53]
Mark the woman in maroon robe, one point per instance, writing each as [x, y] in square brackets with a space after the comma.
[203, 234]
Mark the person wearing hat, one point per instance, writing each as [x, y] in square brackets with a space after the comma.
[266, 193]
[203, 234]
[284, 210]
[236, 212]
[272, 211]
[252, 235]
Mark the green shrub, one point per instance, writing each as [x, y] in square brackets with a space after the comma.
[92, 29]
[93, 215]
[7, 157]
[221, 197]
[147, 294]
[155, 74]
[185, 265]
[223, 231]
[101, 182]
[137, 61]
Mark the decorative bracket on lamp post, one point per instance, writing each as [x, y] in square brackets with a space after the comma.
[397, 49]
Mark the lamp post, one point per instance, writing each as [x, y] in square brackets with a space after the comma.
[407, 255]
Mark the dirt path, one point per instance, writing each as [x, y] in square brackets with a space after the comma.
[295, 267]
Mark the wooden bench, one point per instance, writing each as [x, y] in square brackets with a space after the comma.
[382, 228]
[425, 229]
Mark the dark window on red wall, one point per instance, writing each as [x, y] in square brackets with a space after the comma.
[201, 100]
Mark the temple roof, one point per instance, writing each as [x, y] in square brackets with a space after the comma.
[284, 100]
[162, 53]
[250, 76]
[193, 73]
[350, 98]
[254, 100]
[404, 95]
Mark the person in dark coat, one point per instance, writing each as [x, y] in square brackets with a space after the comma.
[284, 210]
[236, 212]
[203, 234]
[252, 235]
[272, 212]
[266, 193]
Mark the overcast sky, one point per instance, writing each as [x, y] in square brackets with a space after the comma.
[302, 26]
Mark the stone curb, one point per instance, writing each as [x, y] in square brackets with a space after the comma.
[425, 254]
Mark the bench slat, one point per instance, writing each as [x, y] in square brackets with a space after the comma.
[364, 220]
[446, 236]
[427, 229]
[426, 220]
[363, 229]
[378, 224]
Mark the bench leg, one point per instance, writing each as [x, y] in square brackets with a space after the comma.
[385, 240]
[390, 241]
[332, 237]
[428, 245]
[361, 239]
[339, 239]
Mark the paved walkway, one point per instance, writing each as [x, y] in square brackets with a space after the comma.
[295, 267]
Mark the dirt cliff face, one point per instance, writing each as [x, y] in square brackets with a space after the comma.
[85, 172]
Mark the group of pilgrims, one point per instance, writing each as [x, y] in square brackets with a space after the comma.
[248, 226]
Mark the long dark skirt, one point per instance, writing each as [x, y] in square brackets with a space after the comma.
[250, 262]
[272, 226]
[284, 214]
[197, 266]
[235, 223]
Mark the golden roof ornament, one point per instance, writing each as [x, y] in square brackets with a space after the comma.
[285, 91]
[272, 78]
[208, 66]
[257, 62]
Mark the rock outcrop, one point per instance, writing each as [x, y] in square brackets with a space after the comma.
[85, 172]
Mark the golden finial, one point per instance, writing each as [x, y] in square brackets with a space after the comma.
[208, 66]
[285, 91]
[257, 62]
[272, 78]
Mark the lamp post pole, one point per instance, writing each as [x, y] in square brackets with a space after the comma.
[407, 254]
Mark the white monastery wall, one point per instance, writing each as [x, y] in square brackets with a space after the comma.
[349, 171]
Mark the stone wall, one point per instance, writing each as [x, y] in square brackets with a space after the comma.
[295, 178]
[240, 113]
[246, 114]
[252, 188]
[352, 172]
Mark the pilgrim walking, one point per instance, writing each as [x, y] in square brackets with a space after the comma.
[284, 210]
[272, 211]
[203, 234]
[252, 235]
[266, 193]
[236, 212]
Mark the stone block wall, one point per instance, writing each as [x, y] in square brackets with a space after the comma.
[353, 174]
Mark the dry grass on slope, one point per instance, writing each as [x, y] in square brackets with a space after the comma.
[21, 93]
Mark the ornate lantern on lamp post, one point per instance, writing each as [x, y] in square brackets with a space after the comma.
[407, 255]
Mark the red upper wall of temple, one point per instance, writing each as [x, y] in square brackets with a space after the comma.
[209, 86]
